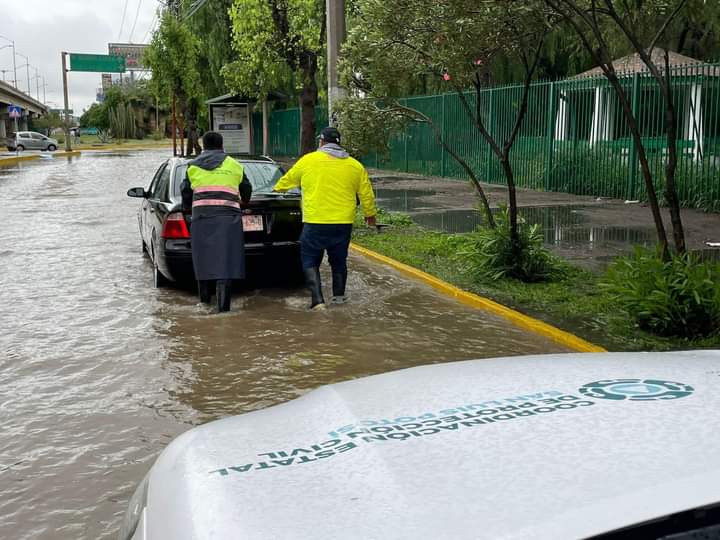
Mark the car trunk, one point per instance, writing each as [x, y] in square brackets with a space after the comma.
[269, 219]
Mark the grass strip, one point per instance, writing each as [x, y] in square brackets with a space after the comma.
[573, 302]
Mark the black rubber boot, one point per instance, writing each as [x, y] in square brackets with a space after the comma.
[312, 280]
[339, 279]
[205, 290]
[224, 291]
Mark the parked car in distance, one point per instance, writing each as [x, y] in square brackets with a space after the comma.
[607, 446]
[272, 222]
[30, 140]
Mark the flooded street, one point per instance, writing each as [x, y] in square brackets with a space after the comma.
[100, 370]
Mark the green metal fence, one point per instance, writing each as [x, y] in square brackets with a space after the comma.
[574, 139]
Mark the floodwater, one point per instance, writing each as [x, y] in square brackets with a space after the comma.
[99, 371]
[565, 228]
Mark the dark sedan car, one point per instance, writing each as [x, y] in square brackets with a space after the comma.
[272, 223]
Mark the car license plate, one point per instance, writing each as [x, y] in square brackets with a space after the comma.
[252, 223]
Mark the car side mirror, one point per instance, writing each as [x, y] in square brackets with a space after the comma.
[137, 192]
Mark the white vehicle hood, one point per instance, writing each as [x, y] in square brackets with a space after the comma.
[554, 446]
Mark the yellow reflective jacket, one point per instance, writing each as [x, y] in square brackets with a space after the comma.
[228, 174]
[330, 186]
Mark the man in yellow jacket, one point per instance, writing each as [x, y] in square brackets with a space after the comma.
[332, 182]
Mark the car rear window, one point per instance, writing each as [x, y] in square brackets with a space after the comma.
[262, 176]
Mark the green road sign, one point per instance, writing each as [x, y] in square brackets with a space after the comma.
[97, 62]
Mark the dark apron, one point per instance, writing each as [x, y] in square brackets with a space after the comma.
[218, 245]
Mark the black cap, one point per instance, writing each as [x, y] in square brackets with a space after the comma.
[330, 135]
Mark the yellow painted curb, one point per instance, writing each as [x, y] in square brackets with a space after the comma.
[4, 161]
[17, 159]
[515, 317]
[115, 148]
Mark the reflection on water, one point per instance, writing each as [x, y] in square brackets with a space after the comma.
[406, 200]
[562, 226]
[100, 371]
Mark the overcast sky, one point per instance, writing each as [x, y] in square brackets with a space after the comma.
[43, 28]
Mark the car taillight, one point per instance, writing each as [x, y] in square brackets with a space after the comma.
[175, 226]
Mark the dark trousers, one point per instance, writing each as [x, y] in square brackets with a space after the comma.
[317, 238]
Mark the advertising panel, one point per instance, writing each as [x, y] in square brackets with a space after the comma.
[232, 121]
[132, 52]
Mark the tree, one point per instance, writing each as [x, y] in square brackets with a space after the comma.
[279, 42]
[172, 56]
[454, 41]
[643, 26]
[211, 25]
[49, 121]
[95, 117]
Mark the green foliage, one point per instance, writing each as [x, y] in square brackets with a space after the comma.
[95, 116]
[489, 253]
[123, 123]
[367, 126]
[269, 53]
[48, 122]
[678, 297]
[136, 98]
[173, 56]
[384, 217]
[212, 27]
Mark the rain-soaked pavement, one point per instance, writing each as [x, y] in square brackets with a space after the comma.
[99, 370]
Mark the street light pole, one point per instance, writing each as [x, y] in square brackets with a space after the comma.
[15, 83]
[37, 83]
[67, 107]
[26, 65]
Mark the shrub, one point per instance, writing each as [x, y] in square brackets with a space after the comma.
[384, 217]
[679, 297]
[488, 253]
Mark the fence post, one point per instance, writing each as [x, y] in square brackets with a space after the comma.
[550, 133]
[632, 154]
[405, 138]
[443, 135]
[488, 164]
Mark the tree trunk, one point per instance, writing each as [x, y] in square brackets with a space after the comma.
[193, 146]
[671, 195]
[308, 98]
[644, 165]
[512, 206]
[174, 124]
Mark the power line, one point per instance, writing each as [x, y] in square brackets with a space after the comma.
[122, 21]
[194, 8]
[150, 29]
[137, 13]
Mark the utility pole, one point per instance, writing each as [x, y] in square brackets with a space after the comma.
[27, 66]
[15, 83]
[335, 15]
[37, 83]
[66, 129]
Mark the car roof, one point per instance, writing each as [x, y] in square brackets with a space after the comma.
[242, 158]
[548, 446]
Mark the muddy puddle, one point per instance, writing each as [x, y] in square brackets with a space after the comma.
[407, 200]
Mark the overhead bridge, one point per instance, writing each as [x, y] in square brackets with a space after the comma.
[30, 108]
